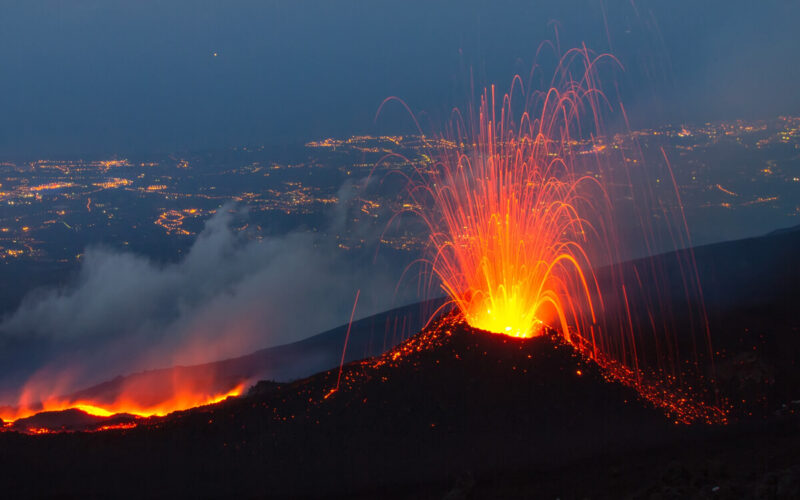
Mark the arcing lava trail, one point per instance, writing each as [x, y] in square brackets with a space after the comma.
[524, 203]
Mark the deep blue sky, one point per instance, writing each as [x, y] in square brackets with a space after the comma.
[103, 76]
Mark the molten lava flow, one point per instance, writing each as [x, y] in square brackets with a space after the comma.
[125, 403]
[144, 394]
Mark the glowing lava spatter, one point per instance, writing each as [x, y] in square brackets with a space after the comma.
[510, 219]
[509, 241]
[523, 201]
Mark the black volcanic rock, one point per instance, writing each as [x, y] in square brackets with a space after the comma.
[68, 421]
[452, 410]
[450, 401]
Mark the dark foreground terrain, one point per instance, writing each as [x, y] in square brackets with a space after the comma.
[449, 405]
[459, 413]
[452, 412]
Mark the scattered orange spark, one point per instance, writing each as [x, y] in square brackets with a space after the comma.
[509, 216]
[521, 207]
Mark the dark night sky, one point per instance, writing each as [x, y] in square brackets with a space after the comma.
[106, 76]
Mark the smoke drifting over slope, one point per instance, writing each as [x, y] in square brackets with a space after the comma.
[228, 296]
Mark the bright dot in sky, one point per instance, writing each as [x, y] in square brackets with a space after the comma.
[215, 54]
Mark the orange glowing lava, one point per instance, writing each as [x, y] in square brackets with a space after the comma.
[180, 400]
[509, 217]
[509, 252]
[535, 216]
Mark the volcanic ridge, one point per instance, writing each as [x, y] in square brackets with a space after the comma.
[448, 400]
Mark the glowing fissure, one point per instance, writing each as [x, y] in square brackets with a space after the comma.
[179, 401]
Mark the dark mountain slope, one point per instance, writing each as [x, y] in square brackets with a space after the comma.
[368, 337]
[448, 402]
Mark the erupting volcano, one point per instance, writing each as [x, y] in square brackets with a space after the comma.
[512, 219]
[400, 250]
[524, 203]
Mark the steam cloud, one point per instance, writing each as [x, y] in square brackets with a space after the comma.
[228, 296]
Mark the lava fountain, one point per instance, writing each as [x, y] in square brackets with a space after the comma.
[510, 238]
[512, 223]
[524, 198]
